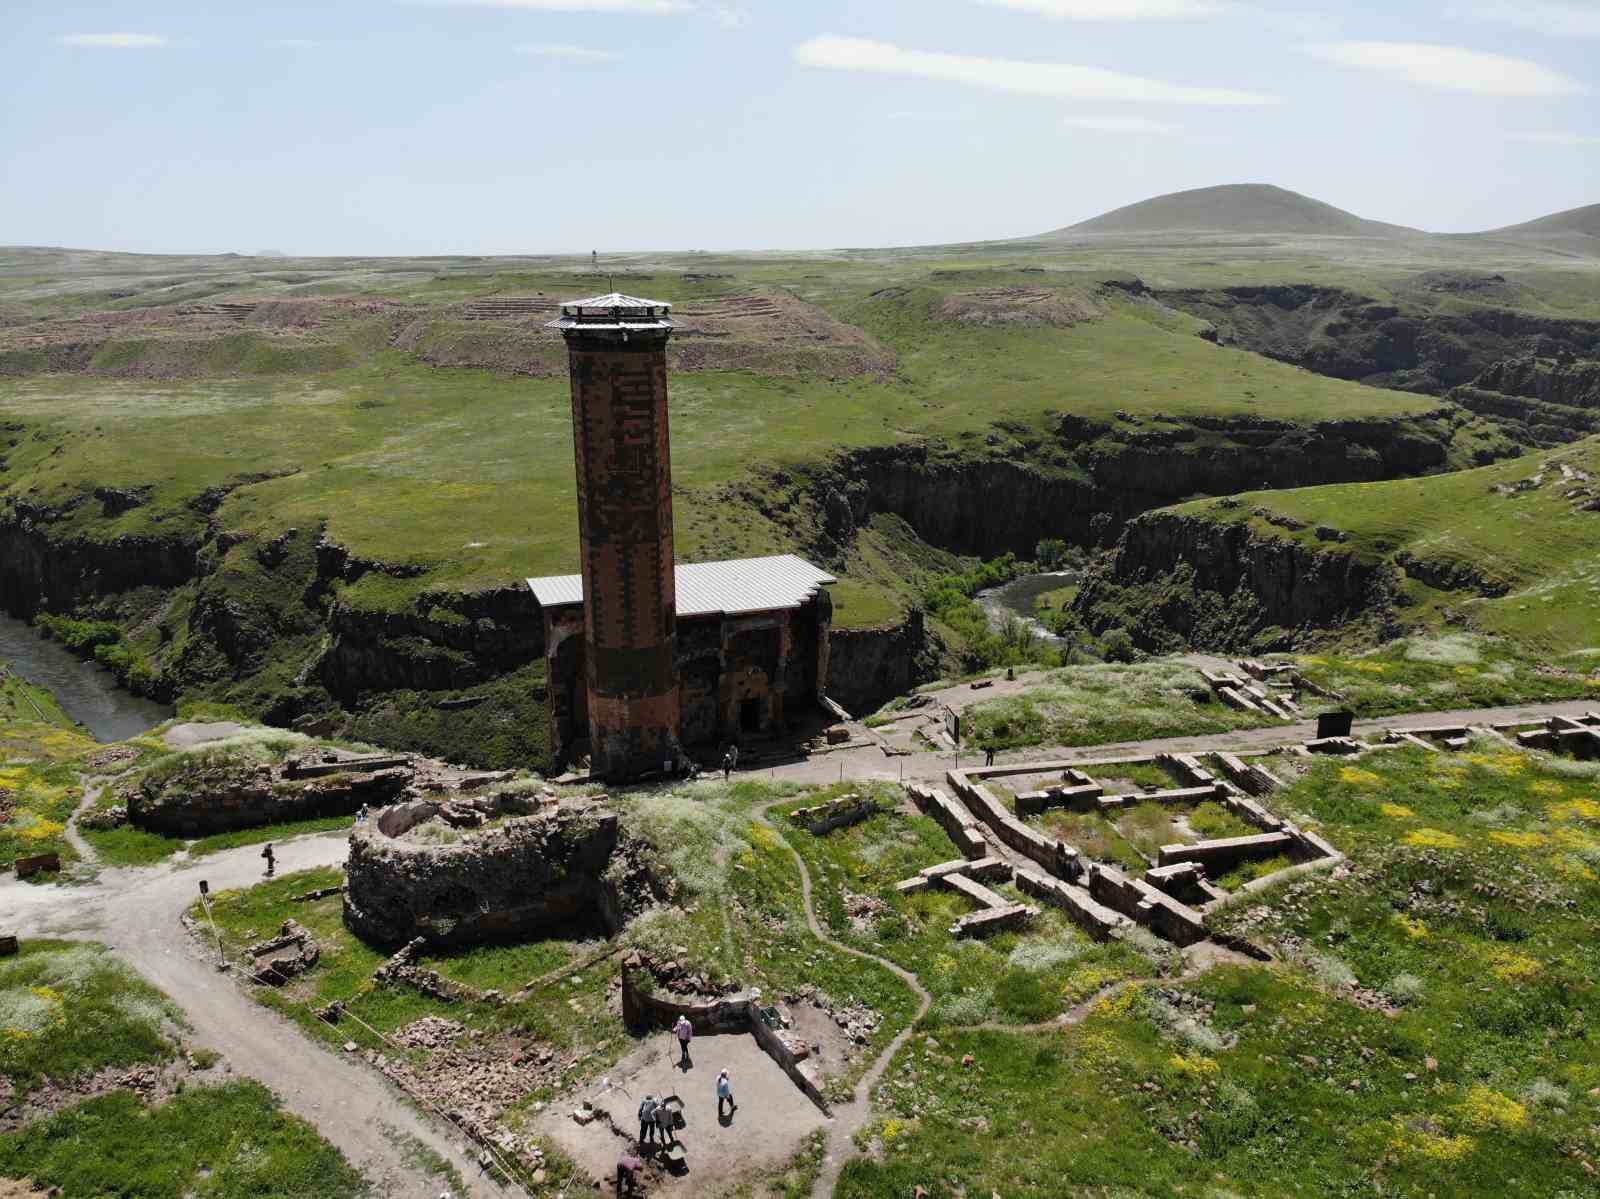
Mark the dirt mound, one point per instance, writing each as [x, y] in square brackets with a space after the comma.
[1015, 306]
[769, 333]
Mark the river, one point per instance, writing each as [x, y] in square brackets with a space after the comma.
[87, 692]
[1015, 600]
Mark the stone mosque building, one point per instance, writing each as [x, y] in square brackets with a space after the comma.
[647, 656]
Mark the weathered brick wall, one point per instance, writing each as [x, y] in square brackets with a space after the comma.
[624, 468]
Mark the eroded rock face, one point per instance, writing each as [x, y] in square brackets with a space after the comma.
[539, 864]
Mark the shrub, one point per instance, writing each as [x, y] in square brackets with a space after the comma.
[1117, 646]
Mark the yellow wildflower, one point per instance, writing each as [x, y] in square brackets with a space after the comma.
[1575, 809]
[1396, 811]
[1197, 1066]
[1433, 838]
[1430, 1145]
[1519, 840]
[1485, 1109]
[1357, 777]
[1549, 788]
[1413, 927]
[1512, 967]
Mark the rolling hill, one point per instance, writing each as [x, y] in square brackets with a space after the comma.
[1575, 220]
[1234, 208]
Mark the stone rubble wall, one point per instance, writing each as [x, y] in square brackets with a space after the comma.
[835, 814]
[249, 797]
[1057, 857]
[533, 871]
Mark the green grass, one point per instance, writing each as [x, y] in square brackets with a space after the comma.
[1467, 906]
[70, 1008]
[1012, 977]
[1101, 704]
[1450, 670]
[1532, 544]
[226, 1142]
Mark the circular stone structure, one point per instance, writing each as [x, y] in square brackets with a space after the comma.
[520, 864]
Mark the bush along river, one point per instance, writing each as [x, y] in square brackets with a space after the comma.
[1018, 599]
[87, 692]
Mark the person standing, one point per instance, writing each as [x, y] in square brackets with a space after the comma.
[727, 765]
[272, 862]
[684, 1031]
[988, 755]
[725, 1094]
[733, 755]
[628, 1167]
[666, 1124]
[647, 1120]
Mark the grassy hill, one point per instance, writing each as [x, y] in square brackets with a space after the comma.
[1513, 549]
[1584, 220]
[1235, 208]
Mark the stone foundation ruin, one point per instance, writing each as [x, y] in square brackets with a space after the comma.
[490, 868]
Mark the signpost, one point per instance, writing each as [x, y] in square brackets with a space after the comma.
[952, 728]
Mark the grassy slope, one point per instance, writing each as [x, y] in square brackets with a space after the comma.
[470, 472]
[37, 744]
[1480, 1082]
[1533, 542]
[69, 1009]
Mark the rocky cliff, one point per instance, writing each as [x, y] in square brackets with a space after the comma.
[1178, 579]
[869, 667]
[1409, 344]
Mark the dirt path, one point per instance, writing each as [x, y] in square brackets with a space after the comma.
[842, 1130]
[136, 912]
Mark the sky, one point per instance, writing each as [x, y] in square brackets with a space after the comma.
[402, 127]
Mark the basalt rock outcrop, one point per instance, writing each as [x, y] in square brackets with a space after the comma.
[1231, 582]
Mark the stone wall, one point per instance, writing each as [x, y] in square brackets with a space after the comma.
[545, 864]
[836, 813]
[208, 797]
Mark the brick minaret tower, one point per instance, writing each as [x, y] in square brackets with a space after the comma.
[617, 356]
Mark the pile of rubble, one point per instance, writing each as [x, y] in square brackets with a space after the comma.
[275, 961]
[858, 1021]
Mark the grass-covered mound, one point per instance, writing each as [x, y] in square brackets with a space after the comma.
[1426, 1026]
[1105, 703]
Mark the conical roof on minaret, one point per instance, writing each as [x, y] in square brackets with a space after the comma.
[614, 310]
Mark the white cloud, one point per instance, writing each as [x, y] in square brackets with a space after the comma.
[729, 17]
[1122, 125]
[1545, 16]
[1449, 67]
[1004, 75]
[1556, 139]
[571, 53]
[646, 7]
[116, 41]
[1116, 10]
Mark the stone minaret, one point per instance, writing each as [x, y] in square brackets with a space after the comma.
[617, 355]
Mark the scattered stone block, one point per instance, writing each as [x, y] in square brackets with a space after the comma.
[9, 947]
[1223, 854]
[40, 863]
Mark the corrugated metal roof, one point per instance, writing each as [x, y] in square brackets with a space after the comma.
[704, 588]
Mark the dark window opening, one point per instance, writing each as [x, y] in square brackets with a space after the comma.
[750, 715]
